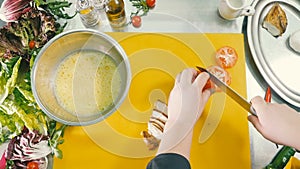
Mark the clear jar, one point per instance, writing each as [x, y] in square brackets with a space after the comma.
[88, 15]
[100, 4]
[115, 12]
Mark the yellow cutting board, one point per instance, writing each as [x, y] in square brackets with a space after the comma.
[294, 163]
[221, 137]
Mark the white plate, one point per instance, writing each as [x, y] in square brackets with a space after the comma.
[276, 61]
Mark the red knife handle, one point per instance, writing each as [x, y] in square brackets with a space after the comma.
[268, 95]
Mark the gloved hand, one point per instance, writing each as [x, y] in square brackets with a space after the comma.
[186, 103]
[187, 99]
[276, 122]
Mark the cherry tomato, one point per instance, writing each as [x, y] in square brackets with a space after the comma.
[31, 44]
[32, 165]
[226, 57]
[150, 3]
[221, 74]
[136, 21]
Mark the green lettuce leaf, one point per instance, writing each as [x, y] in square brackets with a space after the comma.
[9, 74]
[17, 106]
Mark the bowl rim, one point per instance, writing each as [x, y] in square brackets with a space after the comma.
[116, 105]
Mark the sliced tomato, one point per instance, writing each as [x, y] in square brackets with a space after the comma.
[226, 57]
[221, 74]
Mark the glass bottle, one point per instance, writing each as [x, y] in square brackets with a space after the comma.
[87, 12]
[115, 13]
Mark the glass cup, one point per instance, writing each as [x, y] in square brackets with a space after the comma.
[88, 15]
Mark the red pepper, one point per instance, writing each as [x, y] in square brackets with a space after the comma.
[268, 95]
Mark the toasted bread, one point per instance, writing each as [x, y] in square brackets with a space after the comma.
[275, 21]
[156, 125]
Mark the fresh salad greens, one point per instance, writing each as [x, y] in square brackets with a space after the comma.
[32, 30]
[32, 24]
[56, 8]
[30, 146]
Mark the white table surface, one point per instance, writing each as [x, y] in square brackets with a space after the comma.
[200, 16]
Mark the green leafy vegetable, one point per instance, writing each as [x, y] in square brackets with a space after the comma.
[9, 76]
[17, 101]
[56, 134]
[57, 8]
[18, 108]
[142, 9]
[141, 6]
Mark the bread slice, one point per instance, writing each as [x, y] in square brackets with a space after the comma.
[156, 125]
[275, 21]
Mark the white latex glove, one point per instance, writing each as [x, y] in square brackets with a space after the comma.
[276, 122]
[187, 99]
[186, 103]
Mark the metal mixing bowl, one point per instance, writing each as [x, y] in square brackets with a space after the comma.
[54, 52]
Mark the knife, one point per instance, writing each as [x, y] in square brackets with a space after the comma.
[230, 92]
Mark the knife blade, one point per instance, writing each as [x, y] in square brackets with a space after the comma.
[230, 92]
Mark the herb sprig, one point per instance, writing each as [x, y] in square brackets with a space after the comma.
[142, 9]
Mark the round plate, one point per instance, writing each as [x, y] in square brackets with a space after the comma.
[275, 60]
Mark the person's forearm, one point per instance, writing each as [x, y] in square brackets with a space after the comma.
[278, 123]
[182, 148]
[171, 143]
[296, 133]
[291, 133]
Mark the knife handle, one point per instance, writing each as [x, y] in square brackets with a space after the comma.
[281, 158]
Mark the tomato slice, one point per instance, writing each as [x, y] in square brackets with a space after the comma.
[226, 57]
[221, 74]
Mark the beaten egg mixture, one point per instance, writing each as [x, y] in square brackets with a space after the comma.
[87, 82]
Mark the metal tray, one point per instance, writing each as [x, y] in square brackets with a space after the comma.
[276, 61]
